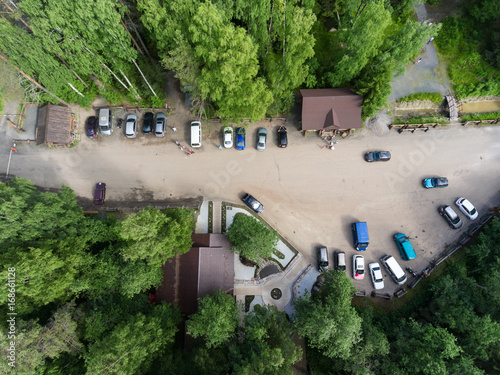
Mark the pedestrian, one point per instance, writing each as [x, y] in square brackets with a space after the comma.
[191, 151]
[174, 129]
[419, 59]
[177, 143]
[220, 147]
[430, 40]
[183, 148]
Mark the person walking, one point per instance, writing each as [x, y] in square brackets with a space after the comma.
[220, 147]
[174, 129]
[177, 143]
[430, 40]
[419, 59]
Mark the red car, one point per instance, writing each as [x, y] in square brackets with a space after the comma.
[99, 193]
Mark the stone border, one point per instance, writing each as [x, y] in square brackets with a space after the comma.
[298, 280]
[264, 281]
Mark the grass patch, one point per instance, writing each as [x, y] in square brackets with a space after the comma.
[432, 96]
[421, 120]
[223, 218]
[481, 116]
[210, 217]
[279, 254]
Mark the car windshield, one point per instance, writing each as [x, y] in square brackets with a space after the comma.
[241, 143]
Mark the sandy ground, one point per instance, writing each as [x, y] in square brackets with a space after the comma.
[311, 195]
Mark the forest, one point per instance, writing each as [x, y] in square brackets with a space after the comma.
[81, 287]
[240, 60]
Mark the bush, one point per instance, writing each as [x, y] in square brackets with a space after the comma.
[449, 37]
[481, 116]
[435, 97]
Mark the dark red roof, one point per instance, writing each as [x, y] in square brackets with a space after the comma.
[207, 267]
[326, 109]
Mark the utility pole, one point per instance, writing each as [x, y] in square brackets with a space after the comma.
[10, 156]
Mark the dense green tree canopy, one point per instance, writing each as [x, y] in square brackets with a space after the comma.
[216, 319]
[251, 238]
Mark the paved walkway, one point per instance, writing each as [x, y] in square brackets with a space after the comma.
[217, 217]
[429, 75]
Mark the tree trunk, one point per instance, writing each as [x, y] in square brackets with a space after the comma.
[145, 80]
[35, 82]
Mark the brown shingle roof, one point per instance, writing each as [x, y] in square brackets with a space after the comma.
[208, 266]
[330, 109]
[54, 125]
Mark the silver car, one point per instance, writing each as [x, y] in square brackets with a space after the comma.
[160, 124]
[131, 126]
[261, 139]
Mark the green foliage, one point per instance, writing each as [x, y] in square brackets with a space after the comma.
[129, 346]
[35, 343]
[469, 46]
[268, 347]
[422, 120]
[155, 236]
[481, 116]
[328, 321]
[251, 238]
[435, 97]
[216, 319]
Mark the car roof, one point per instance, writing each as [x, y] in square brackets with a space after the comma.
[451, 212]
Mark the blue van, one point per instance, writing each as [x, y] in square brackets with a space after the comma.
[360, 235]
[404, 246]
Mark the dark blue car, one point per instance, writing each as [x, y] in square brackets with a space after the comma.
[240, 138]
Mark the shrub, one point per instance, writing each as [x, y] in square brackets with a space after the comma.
[435, 97]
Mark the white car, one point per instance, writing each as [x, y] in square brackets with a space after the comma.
[467, 208]
[376, 274]
[358, 267]
[228, 137]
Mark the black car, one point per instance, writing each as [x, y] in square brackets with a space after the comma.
[91, 127]
[147, 124]
[377, 156]
[450, 216]
[282, 137]
[99, 193]
[253, 203]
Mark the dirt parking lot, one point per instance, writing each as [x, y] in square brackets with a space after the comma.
[311, 195]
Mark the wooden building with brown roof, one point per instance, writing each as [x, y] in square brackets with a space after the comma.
[331, 109]
[53, 125]
[207, 267]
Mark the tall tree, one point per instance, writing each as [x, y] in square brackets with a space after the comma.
[251, 238]
[328, 321]
[155, 236]
[216, 319]
[130, 346]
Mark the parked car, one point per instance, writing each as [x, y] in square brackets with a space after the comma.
[147, 123]
[358, 267]
[322, 259]
[340, 261]
[467, 208]
[394, 269]
[105, 121]
[160, 124]
[91, 127]
[228, 137]
[99, 193]
[131, 126]
[376, 275]
[253, 203]
[377, 156]
[240, 138]
[261, 139]
[282, 137]
[435, 182]
[450, 216]
[404, 245]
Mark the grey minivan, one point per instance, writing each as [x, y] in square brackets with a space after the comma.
[105, 121]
